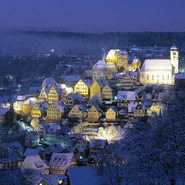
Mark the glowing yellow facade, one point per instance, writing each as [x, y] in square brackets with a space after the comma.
[75, 113]
[53, 95]
[54, 114]
[82, 88]
[95, 89]
[136, 64]
[120, 58]
[111, 114]
[94, 114]
[35, 112]
[107, 92]
[42, 96]
[26, 110]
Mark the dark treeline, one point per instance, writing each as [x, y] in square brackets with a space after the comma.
[119, 39]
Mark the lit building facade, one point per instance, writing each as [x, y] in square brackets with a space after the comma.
[94, 113]
[83, 87]
[160, 71]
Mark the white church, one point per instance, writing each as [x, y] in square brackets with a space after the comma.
[160, 71]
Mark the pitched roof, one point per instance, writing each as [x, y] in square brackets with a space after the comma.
[60, 105]
[135, 61]
[126, 95]
[80, 107]
[97, 108]
[31, 101]
[102, 143]
[71, 78]
[3, 111]
[48, 82]
[77, 97]
[31, 151]
[61, 159]
[180, 76]
[87, 82]
[42, 106]
[101, 64]
[157, 65]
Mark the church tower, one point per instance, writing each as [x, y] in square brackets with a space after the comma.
[174, 56]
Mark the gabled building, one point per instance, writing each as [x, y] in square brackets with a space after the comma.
[74, 99]
[77, 112]
[94, 113]
[83, 87]
[112, 114]
[107, 92]
[60, 162]
[120, 58]
[43, 96]
[96, 87]
[32, 139]
[35, 163]
[160, 71]
[98, 146]
[48, 82]
[136, 64]
[39, 110]
[125, 97]
[100, 70]
[5, 116]
[55, 112]
[28, 105]
[71, 80]
[54, 94]
[127, 82]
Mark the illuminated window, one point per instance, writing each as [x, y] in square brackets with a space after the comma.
[152, 77]
[168, 77]
[163, 77]
[147, 77]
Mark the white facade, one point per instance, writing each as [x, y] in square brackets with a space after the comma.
[160, 71]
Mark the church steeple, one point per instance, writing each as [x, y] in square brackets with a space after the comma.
[174, 56]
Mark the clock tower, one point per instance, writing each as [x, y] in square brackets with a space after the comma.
[174, 57]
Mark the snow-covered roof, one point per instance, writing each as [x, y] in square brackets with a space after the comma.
[13, 146]
[57, 148]
[60, 105]
[31, 151]
[87, 82]
[126, 95]
[97, 108]
[101, 64]
[80, 107]
[61, 159]
[47, 82]
[101, 143]
[42, 106]
[53, 128]
[83, 175]
[31, 101]
[21, 97]
[174, 48]
[34, 162]
[132, 73]
[132, 106]
[112, 52]
[135, 61]
[180, 76]
[77, 97]
[3, 111]
[114, 109]
[102, 82]
[157, 65]
[71, 78]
